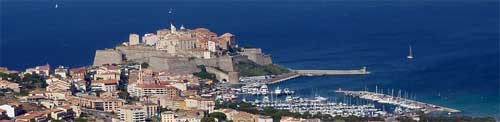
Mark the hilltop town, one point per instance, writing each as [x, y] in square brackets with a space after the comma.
[183, 75]
[172, 75]
[180, 51]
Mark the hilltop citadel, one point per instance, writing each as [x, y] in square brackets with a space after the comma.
[181, 50]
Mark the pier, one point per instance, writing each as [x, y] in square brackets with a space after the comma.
[299, 73]
[398, 101]
[362, 71]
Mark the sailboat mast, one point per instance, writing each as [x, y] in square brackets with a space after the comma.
[411, 53]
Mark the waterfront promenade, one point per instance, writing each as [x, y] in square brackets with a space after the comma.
[407, 103]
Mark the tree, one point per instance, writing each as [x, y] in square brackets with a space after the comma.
[208, 119]
[144, 65]
[219, 115]
[11, 76]
[123, 95]
[203, 74]
[253, 69]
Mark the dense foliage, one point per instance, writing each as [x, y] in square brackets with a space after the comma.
[253, 69]
[11, 76]
[144, 65]
[207, 119]
[27, 82]
[203, 74]
[219, 115]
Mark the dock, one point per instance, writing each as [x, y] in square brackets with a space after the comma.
[398, 101]
[362, 71]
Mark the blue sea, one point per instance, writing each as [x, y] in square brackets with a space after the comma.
[455, 43]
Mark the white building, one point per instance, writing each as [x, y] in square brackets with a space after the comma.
[150, 38]
[180, 86]
[182, 116]
[198, 103]
[61, 71]
[212, 46]
[132, 113]
[207, 55]
[104, 85]
[139, 90]
[11, 109]
[40, 70]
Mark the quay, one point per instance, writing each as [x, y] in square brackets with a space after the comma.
[283, 77]
[300, 73]
[362, 71]
[398, 101]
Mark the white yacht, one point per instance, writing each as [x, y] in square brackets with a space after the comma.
[263, 89]
[287, 91]
[277, 91]
[265, 99]
[410, 56]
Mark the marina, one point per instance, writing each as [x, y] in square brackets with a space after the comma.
[398, 101]
[262, 89]
[317, 105]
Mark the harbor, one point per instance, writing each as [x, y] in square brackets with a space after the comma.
[262, 89]
[318, 105]
[398, 101]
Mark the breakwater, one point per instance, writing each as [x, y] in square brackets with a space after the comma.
[362, 71]
[407, 103]
[302, 72]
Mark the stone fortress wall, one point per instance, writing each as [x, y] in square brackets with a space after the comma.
[140, 52]
[231, 77]
[107, 56]
[177, 65]
[256, 55]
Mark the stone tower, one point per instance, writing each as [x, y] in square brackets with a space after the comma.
[172, 28]
[133, 39]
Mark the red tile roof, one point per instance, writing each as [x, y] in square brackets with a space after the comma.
[78, 70]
